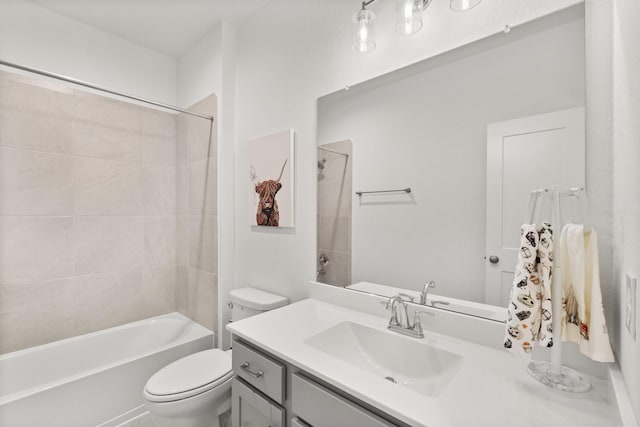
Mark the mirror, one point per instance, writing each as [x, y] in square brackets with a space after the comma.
[414, 142]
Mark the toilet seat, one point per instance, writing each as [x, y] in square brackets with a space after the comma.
[190, 376]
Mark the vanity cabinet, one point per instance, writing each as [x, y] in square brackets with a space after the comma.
[268, 392]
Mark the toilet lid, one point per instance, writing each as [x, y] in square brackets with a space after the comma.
[191, 375]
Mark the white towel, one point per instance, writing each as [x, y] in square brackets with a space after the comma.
[583, 320]
[529, 312]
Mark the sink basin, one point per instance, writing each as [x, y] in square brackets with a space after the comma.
[408, 362]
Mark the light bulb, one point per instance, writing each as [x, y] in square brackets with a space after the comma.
[364, 31]
[409, 19]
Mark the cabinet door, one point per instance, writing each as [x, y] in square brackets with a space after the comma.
[251, 409]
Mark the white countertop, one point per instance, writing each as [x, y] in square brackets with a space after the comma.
[492, 387]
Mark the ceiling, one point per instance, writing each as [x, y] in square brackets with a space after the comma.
[166, 26]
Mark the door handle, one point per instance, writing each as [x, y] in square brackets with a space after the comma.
[493, 259]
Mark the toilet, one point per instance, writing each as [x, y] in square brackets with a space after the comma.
[195, 391]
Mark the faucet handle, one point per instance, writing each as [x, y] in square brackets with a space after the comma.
[417, 324]
[406, 297]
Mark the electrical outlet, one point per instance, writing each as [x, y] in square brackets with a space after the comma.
[630, 305]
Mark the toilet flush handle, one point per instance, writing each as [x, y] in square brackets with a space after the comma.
[245, 367]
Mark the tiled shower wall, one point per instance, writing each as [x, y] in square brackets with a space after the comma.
[88, 212]
[335, 196]
[197, 253]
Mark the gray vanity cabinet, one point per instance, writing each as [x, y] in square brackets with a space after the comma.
[268, 392]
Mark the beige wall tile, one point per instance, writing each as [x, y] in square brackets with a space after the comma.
[182, 290]
[107, 111]
[159, 190]
[159, 241]
[107, 299]
[107, 187]
[37, 131]
[158, 123]
[35, 248]
[182, 147]
[106, 141]
[202, 299]
[35, 183]
[203, 192]
[201, 138]
[203, 243]
[334, 233]
[36, 313]
[159, 150]
[159, 290]
[338, 271]
[201, 134]
[182, 240]
[107, 243]
[25, 94]
[182, 183]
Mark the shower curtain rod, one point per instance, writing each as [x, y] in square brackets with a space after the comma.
[92, 86]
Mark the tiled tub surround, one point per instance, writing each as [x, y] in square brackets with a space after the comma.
[88, 212]
[94, 378]
[335, 197]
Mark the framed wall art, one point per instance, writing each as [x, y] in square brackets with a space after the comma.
[271, 172]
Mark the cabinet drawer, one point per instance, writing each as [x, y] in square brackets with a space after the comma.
[259, 370]
[251, 409]
[323, 408]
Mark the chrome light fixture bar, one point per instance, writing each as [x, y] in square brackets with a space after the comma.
[408, 20]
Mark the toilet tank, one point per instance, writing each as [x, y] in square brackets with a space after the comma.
[249, 301]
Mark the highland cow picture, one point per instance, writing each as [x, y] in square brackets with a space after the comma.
[271, 171]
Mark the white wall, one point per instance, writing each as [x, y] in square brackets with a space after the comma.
[293, 52]
[36, 37]
[428, 132]
[199, 69]
[626, 181]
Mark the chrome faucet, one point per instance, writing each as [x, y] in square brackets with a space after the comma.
[406, 328]
[425, 290]
[391, 305]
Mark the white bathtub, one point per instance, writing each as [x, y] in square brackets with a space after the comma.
[90, 379]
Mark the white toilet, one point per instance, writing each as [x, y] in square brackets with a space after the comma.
[195, 391]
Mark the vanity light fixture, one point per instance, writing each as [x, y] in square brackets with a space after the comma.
[409, 17]
[364, 37]
[463, 5]
[408, 20]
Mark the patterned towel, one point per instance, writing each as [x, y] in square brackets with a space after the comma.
[529, 311]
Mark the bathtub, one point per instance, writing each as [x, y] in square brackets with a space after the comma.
[90, 379]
